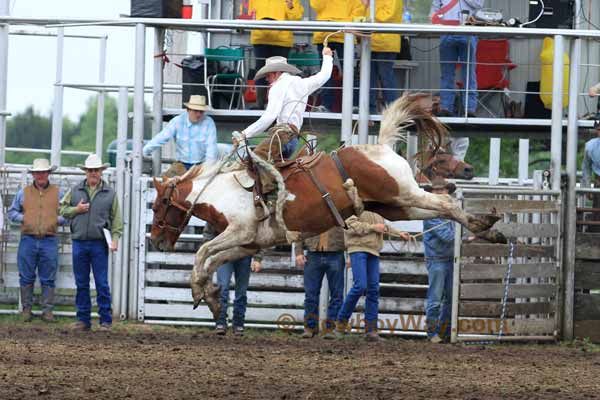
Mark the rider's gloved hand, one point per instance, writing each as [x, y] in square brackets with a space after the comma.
[238, 138]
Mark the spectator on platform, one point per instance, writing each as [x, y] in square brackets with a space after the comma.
[324, 257]
[456, 49]
[335, 11]
[195, 136]
[364, 240]
[438, 242]
[93, 208]
[35, 208]
[591, 166]
[385, 48]
[268, 43]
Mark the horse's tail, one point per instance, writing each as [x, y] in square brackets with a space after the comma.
[409, 110]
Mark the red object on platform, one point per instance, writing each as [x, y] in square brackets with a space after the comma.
[186, 11]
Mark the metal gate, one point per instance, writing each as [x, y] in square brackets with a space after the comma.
[489, 303]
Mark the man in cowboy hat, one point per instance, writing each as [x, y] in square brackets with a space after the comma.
[438, 242]
[35, 208]
[92, 207]
[288, 95]
[194, 132]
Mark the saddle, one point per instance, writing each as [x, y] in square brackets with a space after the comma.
[261, 184]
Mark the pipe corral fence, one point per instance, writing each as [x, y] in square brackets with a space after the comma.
[152, 286]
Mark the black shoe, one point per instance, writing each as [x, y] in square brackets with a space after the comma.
[471, 114]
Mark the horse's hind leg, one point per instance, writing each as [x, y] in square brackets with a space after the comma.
[212, 292]
[232, 236]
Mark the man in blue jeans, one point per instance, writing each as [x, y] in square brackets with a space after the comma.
[240, 269]
[438, 241]
[364, 239]
[93, 207]
[325, 257]
[453, 49]
[35, 208]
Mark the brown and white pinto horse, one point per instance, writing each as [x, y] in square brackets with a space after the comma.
[383, 178]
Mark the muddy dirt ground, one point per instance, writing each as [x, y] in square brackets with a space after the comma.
[151, 362]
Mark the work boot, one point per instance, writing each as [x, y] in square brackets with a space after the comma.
[435, 339]
[220, 330]
[47, 303]
[341, 328]
[26, 302]
[308, 333]
[80, 326]
[373, 336]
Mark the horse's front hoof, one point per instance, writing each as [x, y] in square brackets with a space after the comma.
[493, 236]
[197, 294]
[211, 296]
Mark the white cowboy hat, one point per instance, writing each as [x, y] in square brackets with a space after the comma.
[197, 102]
[93, 162]
[41, 165]
[276, 64]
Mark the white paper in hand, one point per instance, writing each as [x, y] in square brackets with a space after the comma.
[108, 237]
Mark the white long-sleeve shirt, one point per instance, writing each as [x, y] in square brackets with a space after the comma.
[453, 14]
[288, 97]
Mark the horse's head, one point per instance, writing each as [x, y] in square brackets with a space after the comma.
[170, 213]
[444, 164]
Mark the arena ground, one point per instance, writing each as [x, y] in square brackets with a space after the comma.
[150, 362]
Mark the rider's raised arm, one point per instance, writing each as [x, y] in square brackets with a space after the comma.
[317, 80]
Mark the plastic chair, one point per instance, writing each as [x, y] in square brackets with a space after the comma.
[223, 56]
[493, 64]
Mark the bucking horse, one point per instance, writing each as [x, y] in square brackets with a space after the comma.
[315, 198]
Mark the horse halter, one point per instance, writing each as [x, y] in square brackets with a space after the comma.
[166, 200]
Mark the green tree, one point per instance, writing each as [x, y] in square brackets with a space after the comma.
[30, 129]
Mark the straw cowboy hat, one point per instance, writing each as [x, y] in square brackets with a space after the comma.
[276, 64]
[440, 183]
[41, 165]
[197, 102]
[93, 162]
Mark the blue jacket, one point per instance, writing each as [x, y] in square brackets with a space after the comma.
[439, 243]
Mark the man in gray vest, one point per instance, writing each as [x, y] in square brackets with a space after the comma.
[93, 208]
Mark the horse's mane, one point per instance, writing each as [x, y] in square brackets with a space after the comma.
[208, 169]
[408, 110]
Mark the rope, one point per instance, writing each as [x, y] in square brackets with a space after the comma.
[273, 135]
[412, 242]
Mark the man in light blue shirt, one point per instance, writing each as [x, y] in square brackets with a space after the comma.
[194, 132]
[591, 160]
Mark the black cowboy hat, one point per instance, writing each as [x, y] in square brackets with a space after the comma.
[440, 183]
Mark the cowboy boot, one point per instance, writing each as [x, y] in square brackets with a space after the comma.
[27, 302]
[47, 303]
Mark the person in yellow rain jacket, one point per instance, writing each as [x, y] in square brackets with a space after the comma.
[384, 50]
[336, 11]
[272, 43]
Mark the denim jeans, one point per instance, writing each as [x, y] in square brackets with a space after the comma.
[241, 270]
[453, 49]
[290, 147]
[439, 297]
[365, 274]
[382, 70]
[328, 93]
[319, 264]
[40, 253]
[91, 254]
